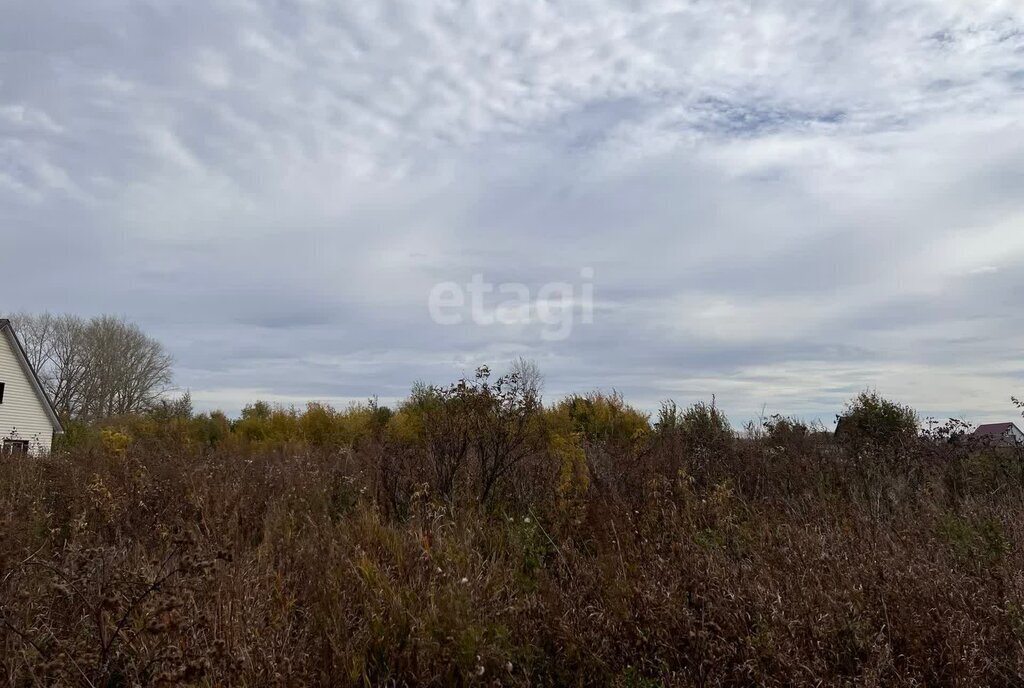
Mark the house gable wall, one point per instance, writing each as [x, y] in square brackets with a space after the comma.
[1015, 435]
[22, 414]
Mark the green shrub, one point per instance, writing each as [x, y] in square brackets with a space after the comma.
[871, 420]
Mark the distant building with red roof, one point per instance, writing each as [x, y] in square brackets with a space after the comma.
[1000, 435]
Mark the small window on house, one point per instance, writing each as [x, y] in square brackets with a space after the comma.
[1, 392]
[15, 447]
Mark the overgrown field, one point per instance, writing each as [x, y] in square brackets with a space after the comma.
[676, 555]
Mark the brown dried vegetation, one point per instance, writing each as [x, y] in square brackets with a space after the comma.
[639, 558]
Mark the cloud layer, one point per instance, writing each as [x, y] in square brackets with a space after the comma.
[781, 204]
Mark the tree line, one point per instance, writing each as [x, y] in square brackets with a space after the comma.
[94, 368]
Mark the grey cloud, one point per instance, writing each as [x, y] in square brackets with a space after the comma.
[782, 204]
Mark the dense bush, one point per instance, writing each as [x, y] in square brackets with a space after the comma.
[702, 425]
[600, 417]
[313, 548]
[870, 419]
[784, 430]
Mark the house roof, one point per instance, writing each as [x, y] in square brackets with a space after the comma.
[8, 330]
[993, 429]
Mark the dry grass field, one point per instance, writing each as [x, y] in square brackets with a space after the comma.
[676, 555]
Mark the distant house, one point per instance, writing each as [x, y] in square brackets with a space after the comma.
[27, 418]
[1000, 435]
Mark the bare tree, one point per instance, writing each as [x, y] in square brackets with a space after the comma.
[66, 374]
[528, 377]
[95, 368]
[54, 345]
[36, 335]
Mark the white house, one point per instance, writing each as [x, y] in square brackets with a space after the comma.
[27, 418]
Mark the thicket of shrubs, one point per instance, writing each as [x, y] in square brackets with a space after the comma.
[473, 536]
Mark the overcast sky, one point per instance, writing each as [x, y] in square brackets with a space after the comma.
[781, 202]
